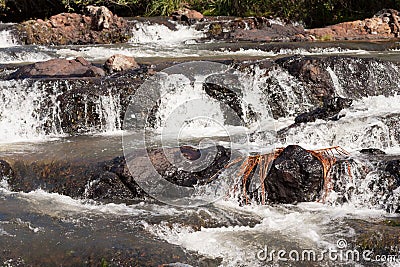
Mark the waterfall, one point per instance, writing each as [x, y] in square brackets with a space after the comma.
[159, 34]
[39, 110]
[7, 39]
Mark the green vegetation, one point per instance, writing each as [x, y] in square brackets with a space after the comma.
[103, 263]
[313, 13]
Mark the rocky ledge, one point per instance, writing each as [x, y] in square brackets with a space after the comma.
[98, 26]
[295, 175]
[384, 25]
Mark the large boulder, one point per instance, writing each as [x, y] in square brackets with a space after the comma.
[78, 67]
[295, 176]
[100, 26]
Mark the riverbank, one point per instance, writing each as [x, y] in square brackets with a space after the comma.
[101, 26]
[312, 13]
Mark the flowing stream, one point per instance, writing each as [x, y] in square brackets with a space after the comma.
[57, 229]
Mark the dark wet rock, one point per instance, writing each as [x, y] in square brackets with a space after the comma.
[170, 24]
[295, 176]
[101, 27]
[99, 181]
[108, 187]
[78, 67]
[119, 167]
[227, 96]
[379, 77]
[120, 62]
[111, 180]
[5, 169]
[253, 29]
[189, 176]
[329, 111]
[371, 178]
[372, 151]
[191, 153]
[187, 15]
[312, 73]
[393, 167]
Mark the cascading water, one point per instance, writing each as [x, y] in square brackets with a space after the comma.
[24, 112]
[34, 110]
[159, 34]
[7, 39]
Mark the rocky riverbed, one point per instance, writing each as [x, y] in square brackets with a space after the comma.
[296, 141]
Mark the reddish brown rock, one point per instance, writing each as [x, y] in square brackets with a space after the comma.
[100, 27]
[120, 63]
[384, 25]
[258, 29]
[78, 67]
[186, 15]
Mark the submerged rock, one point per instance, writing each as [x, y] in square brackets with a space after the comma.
[111, 180]
[100, 27]
[295, 176]
[120, 62]
[85, 179]
[329, 111]
[78, 67]
[5, 170]
[382, 237]
[372, 151]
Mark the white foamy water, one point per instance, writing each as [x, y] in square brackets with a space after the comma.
[307, 226]
[20, 109]
[161, 35]
[7, 39]
[369, 122]
[57, 205]
[22, 56]
[296, 51]
[31, 111]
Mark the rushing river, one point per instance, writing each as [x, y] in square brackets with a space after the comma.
[47, 229]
